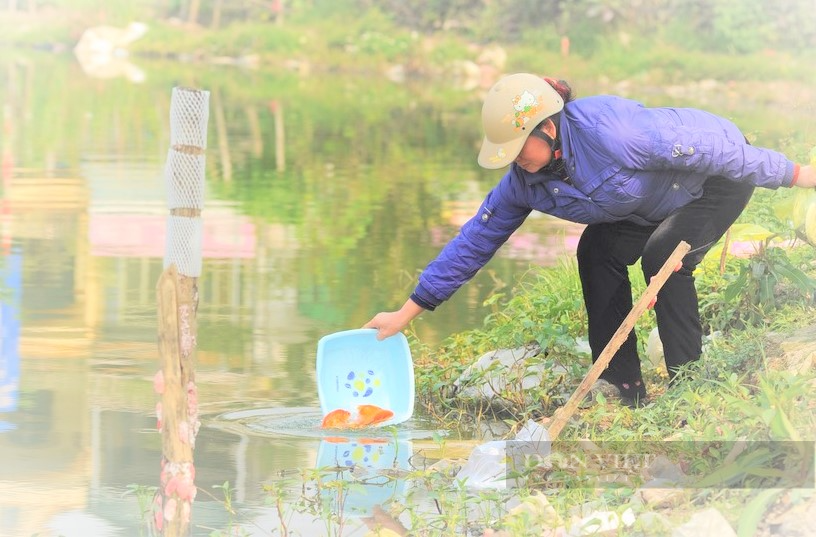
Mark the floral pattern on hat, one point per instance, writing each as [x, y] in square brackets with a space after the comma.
[526, 106]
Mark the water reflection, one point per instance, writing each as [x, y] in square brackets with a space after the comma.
[294, 247]
[355, 472]
[324, 197]
[11, 275]
[377, 466]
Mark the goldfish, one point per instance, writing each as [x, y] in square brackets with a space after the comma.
[365, 416]
[372, 415]
[336, 419]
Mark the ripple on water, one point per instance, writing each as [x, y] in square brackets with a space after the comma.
[305, 422]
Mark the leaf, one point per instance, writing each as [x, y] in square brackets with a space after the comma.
[766, 472]
[783, 209]
[802, 201]
[734, 288]
[735, 471]
[801, 280]
[755, 512]
[782, 426]
[766, 290]
[750, 232]
[810, 223]
[492, 299]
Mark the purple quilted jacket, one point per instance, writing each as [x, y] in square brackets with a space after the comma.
[623, 161]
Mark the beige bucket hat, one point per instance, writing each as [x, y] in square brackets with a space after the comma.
[512, 109]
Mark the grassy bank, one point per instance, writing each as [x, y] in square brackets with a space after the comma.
[371, 42]
[744, 300]
[752, 387]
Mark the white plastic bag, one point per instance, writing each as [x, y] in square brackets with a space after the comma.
[492, 465]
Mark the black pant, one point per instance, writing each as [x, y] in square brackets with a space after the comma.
[605, 251]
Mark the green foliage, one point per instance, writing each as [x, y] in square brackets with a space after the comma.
[707, 26]
[546, 307]
[144, 496]
[509, 20]
[235, 40]
[115, 13]
[741, 26]
[730, 26]
[448, 49]
[227, 491]
[750, 291]
[432, 15]
[759, 278]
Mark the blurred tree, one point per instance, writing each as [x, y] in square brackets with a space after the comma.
[735, 26]
[432, 15]
[192, 13]
[738, 26]
[30, 5]
[510, 19]
[742, 26]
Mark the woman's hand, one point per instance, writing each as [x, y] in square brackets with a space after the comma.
[807, 177]
[389, 323]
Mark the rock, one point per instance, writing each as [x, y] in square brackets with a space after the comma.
[488, 376]
[599, 522]
[651, 523]
[707, 523]
[537, 512]
[798, 521]
[446, 467]
[102, 51]
[494, 56]
[395, 73]
[798, 351]
[492, 428]
[659, 493]
[664, 469]
[465, 74]
[109, 40]
[582, 346]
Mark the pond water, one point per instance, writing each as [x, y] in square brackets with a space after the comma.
[326, 195]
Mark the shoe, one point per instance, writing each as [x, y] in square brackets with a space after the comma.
[633, 394]
[630, 394]
[605, 388]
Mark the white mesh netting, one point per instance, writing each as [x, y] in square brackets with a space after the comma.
[184, 179]
[189, 113]
[184, 245]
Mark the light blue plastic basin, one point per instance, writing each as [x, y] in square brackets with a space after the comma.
[354, 368]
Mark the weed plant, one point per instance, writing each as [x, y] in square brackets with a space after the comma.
[736, 395]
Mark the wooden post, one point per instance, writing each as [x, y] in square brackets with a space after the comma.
[177, 301]
[177, 297]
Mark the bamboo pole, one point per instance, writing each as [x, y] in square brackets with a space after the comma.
[564, 413]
